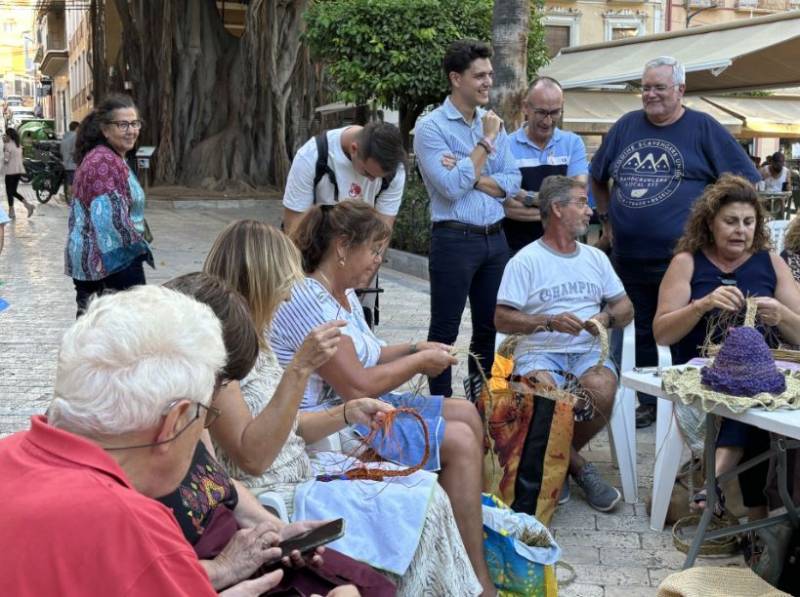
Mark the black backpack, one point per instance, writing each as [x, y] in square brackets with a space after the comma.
[323, 169]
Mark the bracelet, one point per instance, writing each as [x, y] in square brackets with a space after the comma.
[488, 144]
[344, 414]
[413, 348]
[486, 147]
[548, 324]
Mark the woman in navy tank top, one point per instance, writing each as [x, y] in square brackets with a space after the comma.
[722, 259]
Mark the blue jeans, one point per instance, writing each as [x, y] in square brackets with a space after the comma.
[464, 264]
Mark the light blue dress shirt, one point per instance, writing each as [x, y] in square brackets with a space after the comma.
[444, 131]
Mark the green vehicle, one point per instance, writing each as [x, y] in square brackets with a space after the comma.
[35, 129]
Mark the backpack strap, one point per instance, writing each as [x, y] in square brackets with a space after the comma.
[322, 168]
[385, 182]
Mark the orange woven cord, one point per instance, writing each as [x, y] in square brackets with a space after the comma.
[363, 473]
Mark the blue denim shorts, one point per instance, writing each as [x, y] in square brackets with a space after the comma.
[561, 364]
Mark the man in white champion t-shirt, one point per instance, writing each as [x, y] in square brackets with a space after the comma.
[550, 290]
[363, 164]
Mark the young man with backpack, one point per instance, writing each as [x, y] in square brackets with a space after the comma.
[353, 163]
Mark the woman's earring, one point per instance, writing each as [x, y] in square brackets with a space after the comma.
[341, 262]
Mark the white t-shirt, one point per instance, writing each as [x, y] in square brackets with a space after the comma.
[541, 281]
[299, 194]
[773, 184]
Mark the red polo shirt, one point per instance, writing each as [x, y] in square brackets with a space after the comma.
[71, 524]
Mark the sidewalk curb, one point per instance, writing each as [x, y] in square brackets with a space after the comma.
[205, 203]
[407, 263]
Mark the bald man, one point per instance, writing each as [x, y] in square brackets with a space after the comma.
[540, 149]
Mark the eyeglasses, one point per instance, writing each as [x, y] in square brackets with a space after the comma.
[582, 203]
[209, 412]
[656, 88]
[542, 114]
[124, 125]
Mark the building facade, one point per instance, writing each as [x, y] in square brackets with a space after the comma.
[16, 54]
[580, 22]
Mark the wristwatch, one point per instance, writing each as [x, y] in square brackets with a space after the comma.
[602, 217]
[531, 199]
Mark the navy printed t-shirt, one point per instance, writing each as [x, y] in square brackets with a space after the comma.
[659, 172]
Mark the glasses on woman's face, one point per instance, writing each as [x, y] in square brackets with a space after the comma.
[125, 125]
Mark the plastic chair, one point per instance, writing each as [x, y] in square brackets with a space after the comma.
[275, 504]
[777, 231]
[669, 448]
[622, 424]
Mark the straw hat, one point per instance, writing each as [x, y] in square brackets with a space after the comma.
[744, 366]
[717, 581]
[742, 375]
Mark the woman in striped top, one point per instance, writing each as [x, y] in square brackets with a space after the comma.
[342, 247]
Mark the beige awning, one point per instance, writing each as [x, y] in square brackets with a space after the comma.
[760, 53]
[594, 112]
[763, 116]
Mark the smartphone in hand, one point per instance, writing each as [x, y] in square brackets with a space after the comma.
[310, 540]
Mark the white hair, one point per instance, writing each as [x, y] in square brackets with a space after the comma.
[678, 71]
[129, 356]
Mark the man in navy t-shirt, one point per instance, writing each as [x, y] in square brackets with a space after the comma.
[660, 159]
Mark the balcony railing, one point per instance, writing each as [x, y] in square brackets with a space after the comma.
[747, 4]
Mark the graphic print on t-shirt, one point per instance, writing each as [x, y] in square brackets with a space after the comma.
[648, 172]
[355, 190]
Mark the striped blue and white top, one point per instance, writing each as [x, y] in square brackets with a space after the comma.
[312, 305]
[445, 132]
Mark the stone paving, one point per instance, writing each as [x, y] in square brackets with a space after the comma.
[614, 555]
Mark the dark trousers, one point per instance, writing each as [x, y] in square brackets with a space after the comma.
[12, 182]
[641, 279]
[133, 275]
[464, 264]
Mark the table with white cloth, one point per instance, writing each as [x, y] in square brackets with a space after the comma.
[782, 424]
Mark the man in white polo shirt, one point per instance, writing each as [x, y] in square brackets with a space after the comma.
[352, 163]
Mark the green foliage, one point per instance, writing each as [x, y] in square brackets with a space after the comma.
[537, 48]
[391, 50]
[412, 227]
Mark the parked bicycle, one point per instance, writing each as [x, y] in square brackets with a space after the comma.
[46, 175]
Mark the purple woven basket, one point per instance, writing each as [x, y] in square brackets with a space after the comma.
[744, 366]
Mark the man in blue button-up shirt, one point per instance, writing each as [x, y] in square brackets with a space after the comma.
[464, 157]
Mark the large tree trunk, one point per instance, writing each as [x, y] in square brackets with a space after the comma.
[510, 25]
[224, 112]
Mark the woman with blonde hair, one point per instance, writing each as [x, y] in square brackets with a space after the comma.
[722, 259]
[423, 552]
